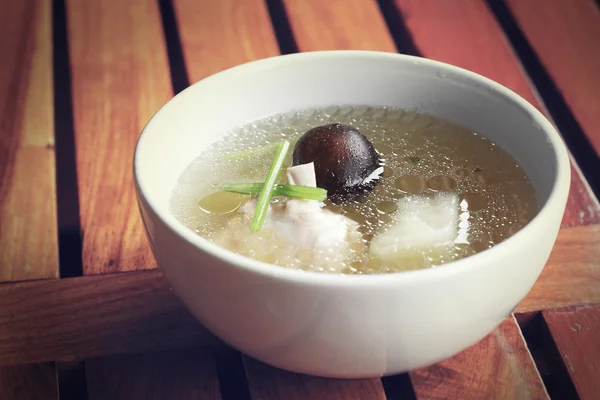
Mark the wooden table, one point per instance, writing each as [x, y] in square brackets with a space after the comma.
[83, 311]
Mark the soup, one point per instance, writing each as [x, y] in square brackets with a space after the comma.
[403, 191]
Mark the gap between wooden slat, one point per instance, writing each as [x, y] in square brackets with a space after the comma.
[31, 382]
[72, 384]
[498, 367]
[281, 26]
[175, 374]
[546, 356]
[338, 25]
[568, 52]
[179, 76]
[67, 192]
[216, 35]
[554, 101]
[576, 331]
[268, 383]
[466, 34]
[120, 78]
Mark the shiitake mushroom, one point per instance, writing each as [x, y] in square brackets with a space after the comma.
[344, 159]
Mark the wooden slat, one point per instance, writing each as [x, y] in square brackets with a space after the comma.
[28, 231]
[569, 51]
[83, 317]
[338, 25]
[576, 332]
[120, 77]
[572, 274]
[465, 33]
[31, 382]
[28, 225]
[216, 35]
[498, 367]
[180, 374]
[89, 316]
[268, 383]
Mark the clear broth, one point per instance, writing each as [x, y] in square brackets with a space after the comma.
[423, 155]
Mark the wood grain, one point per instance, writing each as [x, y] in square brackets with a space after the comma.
[576, 332]
[29, 382]
[28, 230]
[77, 318]
[268, 383]
[498, 367]
[216, 35]
[120, 77]
[569, 52]
[572, 274]
[338, 25]
[172, 375]
[465, 33]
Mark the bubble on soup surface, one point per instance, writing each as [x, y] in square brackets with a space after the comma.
[441, 183]
[413, 184]
[221, 202]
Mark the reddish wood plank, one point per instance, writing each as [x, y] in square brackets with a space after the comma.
[338, 25]
[29, 382]
[28, 231]
[77, 318]
[498, 367]
[216, 35]
[569, 51]
[576, 332]
[465, 33]
[120, 77]
[172, 375]
[268, 383]
[572, 274]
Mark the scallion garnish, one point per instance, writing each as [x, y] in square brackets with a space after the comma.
[414, 160]
[262, 204]
[296, 191]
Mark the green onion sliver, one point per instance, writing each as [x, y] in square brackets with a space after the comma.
[295, 191]
[264, 198]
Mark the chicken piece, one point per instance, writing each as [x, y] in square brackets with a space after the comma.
[421, 227]
[298, 233]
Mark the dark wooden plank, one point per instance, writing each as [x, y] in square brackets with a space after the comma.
[498, 367]
[76, 318]
[29, 382]
[268, 383]
[172, 375]
[216, 35]
[89, 316]
[569, 51]
[338, 25]
[465, 33]
[120, 77]
[572, 274]
[28, 229]
[576, 332]
[28, 225]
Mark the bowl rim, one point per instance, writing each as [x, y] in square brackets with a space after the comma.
[559, 189]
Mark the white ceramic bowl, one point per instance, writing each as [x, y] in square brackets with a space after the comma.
[337, 325]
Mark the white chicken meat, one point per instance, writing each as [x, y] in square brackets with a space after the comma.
[297, 233]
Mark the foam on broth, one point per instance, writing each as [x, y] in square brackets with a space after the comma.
[423, 155]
